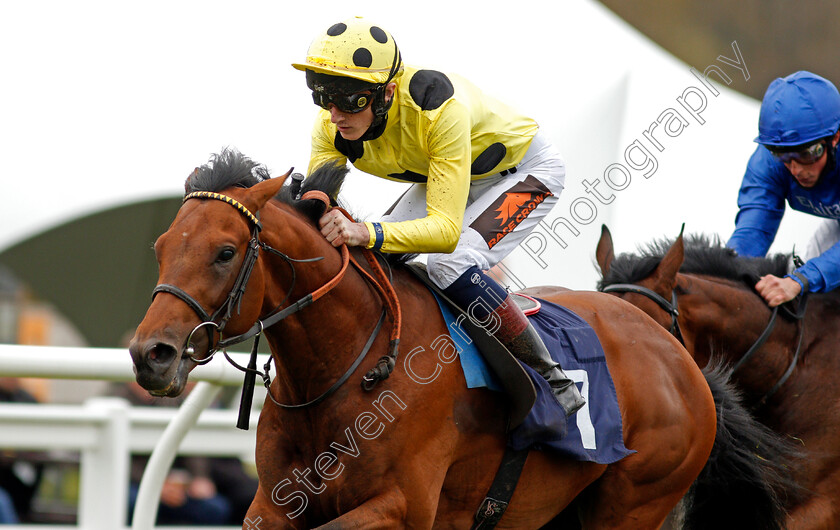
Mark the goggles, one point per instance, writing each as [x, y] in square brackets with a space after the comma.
[805, 156]
[351, 104]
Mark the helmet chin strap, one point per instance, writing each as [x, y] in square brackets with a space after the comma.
[378, 126]
[380, 108]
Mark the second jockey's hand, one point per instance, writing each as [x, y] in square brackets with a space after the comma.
[777, 291]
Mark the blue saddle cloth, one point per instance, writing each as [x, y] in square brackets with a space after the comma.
[594, 433]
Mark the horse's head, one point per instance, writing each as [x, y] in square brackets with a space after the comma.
[205, 266]
[698, 286]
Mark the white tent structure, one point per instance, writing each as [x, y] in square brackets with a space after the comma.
[107, 104]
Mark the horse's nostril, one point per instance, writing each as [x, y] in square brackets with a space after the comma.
[161, 354]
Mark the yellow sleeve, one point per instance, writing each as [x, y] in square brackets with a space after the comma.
[323, 148]
[449, 149]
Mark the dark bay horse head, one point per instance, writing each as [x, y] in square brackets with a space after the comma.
[208, 260]
[693, 284]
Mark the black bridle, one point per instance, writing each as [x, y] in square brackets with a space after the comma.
[669, 307]
[673, 310]
[219, 319]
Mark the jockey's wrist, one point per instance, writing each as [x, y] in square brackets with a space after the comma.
[799, 278]
[376, 235]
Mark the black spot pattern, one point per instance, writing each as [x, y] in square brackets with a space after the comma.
[337, 29]
[430, 89]
[489, 159]
[409, 176]
[378, 35]
[362, 58]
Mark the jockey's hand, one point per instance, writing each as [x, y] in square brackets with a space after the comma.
[777, 291]
[339, 230]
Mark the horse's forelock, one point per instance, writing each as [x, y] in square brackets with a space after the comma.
[226, 169]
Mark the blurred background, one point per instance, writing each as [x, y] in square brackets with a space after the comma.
[778, 36]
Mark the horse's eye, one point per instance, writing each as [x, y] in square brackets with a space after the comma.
[226, 254]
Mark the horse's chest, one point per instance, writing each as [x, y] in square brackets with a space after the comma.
[311, 463]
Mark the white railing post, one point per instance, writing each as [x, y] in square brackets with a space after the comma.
[107, 430]
[148, 496]
[103, 496]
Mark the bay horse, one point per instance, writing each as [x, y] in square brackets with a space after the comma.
[406, 453]
[785, 362]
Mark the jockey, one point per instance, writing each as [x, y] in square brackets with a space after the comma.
[483, 176]
[796, 162]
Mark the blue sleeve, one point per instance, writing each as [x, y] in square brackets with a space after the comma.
[761, 206]
[822, 272]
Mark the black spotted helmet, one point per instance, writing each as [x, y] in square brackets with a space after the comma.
[355, 49]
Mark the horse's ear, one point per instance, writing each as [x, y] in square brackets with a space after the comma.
[665, 274]
[187, 182]
[262, 192]
[604, 253]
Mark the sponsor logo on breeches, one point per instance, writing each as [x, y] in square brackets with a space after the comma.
[510, 209]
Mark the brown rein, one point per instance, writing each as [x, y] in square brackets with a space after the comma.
[385, 289]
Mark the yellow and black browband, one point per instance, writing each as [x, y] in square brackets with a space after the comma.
[230, 200]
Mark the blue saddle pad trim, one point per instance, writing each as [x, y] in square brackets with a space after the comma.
[594, 433]
[476, 370]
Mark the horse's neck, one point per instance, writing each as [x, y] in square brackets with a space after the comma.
[721, 313]
[313, 346]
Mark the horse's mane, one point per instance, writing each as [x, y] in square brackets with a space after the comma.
[327, 178]
[230, 168]
[703, 255]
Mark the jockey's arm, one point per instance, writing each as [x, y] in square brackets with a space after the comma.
[447, 189]
[820, 274]
[761, 203]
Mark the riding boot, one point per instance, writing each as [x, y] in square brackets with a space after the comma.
[528, 347]
[490, 304]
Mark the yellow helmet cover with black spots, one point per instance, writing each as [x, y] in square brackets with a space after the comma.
[354, 48]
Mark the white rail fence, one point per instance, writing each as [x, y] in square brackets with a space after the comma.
[106, 431]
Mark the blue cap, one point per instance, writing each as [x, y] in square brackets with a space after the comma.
[798, 109]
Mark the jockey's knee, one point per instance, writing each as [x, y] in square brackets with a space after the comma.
[445, 269]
